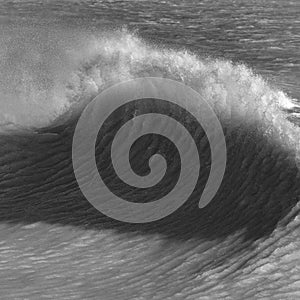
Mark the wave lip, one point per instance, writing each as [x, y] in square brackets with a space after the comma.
[49, 72]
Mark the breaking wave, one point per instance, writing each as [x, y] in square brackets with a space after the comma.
[50, 76]
[47, 74]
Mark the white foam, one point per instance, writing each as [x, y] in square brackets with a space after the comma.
[46, 72]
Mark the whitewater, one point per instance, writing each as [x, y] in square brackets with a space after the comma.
[50, 73]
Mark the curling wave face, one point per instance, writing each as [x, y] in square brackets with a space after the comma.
[58, 240]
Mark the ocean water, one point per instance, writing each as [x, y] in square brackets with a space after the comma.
[242, 56]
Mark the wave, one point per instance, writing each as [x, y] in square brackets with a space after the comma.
[46, 73]
[50, 76]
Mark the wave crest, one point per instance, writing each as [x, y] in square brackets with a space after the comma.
[48, 74]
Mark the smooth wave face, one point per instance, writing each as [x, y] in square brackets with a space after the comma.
[55, 244]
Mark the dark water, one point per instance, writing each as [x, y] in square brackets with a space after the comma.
[242, 56]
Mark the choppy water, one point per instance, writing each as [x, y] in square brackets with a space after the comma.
[241, 56]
